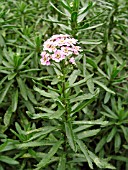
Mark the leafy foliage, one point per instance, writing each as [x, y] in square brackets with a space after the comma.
[64, 117]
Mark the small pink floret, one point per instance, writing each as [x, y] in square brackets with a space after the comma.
[72, 60]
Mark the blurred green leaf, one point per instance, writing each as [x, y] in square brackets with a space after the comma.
[8, 160]
[87, 133]
[70, 136]
[85, 152]
[5, 90]
[14, 100]
[62, 163]
[49, 155]
[22, 87]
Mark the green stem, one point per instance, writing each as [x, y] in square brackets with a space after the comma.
[65, 102]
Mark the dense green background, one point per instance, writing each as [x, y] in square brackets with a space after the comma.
[29, 136]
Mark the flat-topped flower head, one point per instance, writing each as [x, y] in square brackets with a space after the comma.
[59, 47]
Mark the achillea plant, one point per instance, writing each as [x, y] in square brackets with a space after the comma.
[64, 102]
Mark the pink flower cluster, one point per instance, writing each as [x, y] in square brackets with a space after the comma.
[58, 48]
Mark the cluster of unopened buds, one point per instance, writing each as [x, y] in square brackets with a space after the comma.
[59, 47]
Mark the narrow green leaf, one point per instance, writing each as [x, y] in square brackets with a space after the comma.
[11, 76]
[82, 98]
[8, 160]
[22, 87]
[117, 143]
[111, 134]
[49, 155]
[66, 6]
[107, 109]
[100, 145]
[81, 128]
[34, 144]
[5, 90]
[14, 100]
[31, 96]
[117, 58]
[88, 133]
[46, 94]
[57, 9]
[91, 62]
[92, 122]
[62, 163]
[87, 41]
[29, 106]
[57, 114]
[70, 136]
[90, 85]
[82, 105]
[86, 7]
[81, 82]
[2, 146]
[107, 97]
[92, 27]
[84, 149]
[72, 78]
[2, 42]
[3, 80]
[103, 86]
[120, 158]
[26, 59]
[7, 116]
[42, 133]
[125, 131]
[101, 163]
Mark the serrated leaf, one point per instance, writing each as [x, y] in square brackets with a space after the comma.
[90, 85]
[91, 27]
[93, 42]
[103, 86]
[34, 144]
[84, 149]
[62, 163]
[107, 97]
[57, 9]
[49, 155]
[72, 78]
[7, 116]
[92, 122]
[70, 136]
[82, 98]
[81, 82]
[31, 96]
[44, 131]
[22, 87]
[46, 94]
[5, 90]
[111, 113]
[100, 145]
[111, 134]
[11, 76]
[82, 105]
[29, 106]
[14, 100]
[88, 133]
[57, 114]
[8, 160]
[101, 163]
[80, 128]
[117, 142]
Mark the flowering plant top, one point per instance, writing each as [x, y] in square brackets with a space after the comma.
[58, 48]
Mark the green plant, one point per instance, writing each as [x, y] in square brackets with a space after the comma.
[27, 129]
